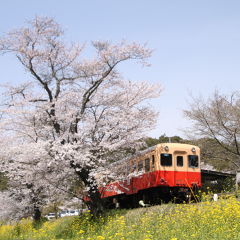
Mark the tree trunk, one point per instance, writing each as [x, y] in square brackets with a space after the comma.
[96, 203]
[237, 182]
[36, 214]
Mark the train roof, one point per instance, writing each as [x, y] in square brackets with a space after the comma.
[178, 145]
[134, 155]
[150, 149]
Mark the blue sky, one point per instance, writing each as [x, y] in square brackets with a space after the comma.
[196, 44]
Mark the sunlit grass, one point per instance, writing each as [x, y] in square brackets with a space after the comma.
[202, 221]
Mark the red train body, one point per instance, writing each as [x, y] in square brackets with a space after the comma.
[154, 179]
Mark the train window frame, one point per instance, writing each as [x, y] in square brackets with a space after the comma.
[196, 158]
[140, 163]
[177, 161]
[153, 163]
[162, 159]
[147, 164]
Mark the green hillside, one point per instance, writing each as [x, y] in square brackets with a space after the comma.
[202, 221]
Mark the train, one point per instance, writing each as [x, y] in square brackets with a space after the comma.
[165, 172]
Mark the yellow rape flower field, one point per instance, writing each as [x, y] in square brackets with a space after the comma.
[207, 220]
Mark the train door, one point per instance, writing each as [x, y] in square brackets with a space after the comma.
[180, 168]
[194, 177]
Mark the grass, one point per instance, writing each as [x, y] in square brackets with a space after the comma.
[207, 220]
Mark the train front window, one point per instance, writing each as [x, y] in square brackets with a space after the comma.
[166, 159]
[180, 161]
[193, 161]
[140, 165]
[147, 165]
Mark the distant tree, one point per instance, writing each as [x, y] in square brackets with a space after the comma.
[163, 139]
[214, 155]
[76, 112]
[150, 142]
[173, 139]
[218, 118]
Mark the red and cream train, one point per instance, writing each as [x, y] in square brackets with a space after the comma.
[164, 172]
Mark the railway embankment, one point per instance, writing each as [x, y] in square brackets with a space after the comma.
[202, 221]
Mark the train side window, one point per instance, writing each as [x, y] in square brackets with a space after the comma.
[180, 161]
[166, 159]
[134, 166]
[153, 162]
[193, 161]
[147, 165]
[140, 165]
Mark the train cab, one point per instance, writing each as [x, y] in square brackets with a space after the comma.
[179, 164]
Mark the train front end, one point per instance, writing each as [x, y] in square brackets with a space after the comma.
[179, 165]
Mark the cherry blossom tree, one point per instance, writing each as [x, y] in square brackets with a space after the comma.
[74, 115]
[31, 181]
[9, 208]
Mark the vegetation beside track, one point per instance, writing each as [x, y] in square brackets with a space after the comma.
[202, 221]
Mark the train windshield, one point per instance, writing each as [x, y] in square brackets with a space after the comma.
[193, 161]
[166, 159]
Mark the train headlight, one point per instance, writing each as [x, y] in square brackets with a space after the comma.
[166, 148]
[193, 150]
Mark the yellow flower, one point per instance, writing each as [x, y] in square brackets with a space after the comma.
[100, 238]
